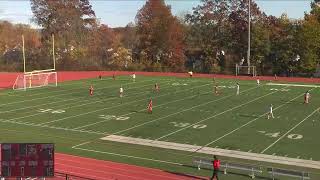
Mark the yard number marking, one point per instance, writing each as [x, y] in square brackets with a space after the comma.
[179, 84]
[283, 90]
[58, 111]
[118, 118]
[277, 134]
[182, 125]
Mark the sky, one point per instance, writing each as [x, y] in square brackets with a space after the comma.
[118, 13]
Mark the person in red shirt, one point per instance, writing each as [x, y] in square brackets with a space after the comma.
[91, 90]
[216, 167]
[150, 106]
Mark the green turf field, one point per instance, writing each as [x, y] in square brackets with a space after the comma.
[185, 111]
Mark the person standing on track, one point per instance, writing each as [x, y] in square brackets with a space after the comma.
[216, 167]
[91, 90]
[190, 74]
[270, 113]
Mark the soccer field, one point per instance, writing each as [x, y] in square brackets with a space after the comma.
[185, 112]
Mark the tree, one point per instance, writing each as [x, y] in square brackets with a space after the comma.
[309, 38]
[221, 25]
[160, 35]
[70, 21]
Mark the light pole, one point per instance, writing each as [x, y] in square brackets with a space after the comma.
[249, 33]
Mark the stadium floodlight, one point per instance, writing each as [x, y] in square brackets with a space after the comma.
[36, 78]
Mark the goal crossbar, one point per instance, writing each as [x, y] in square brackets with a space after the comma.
[251, 70]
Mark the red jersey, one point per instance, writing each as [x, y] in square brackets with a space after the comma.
[91, 91]
[216, 164]
[150, 106]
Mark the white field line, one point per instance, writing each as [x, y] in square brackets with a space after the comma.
[223, 112]
[214, 151]
[244, 125]
[128, 156]
[107, 108]
[46, 97]
[79, 105]
[52, 127]
[87, 125]
[142, 124]
[290, 130]
[61, 128]
[28, 107]
[295, 85]
[81, 144]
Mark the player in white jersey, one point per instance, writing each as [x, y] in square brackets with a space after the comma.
[121, 92]
[238, 89]
[307, 97]
[270, 113]
[258, 81]
[190, 74]
[134, 77]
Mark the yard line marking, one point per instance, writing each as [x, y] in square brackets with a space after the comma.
[105, 108]
[87, 142]
[46, 97]
[87, 125]
[231, 132]
[79, 105]
[223, 112]
[52, 127]
[128, 156]
[66, 100]
[290, 130]
[142, 124]
[294, 85]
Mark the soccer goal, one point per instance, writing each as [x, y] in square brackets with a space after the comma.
[36, 78]
[246, 70]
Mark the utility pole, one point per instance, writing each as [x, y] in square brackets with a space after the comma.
[249, 37]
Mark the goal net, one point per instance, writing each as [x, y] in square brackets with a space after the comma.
[246, 70]
[35, 79]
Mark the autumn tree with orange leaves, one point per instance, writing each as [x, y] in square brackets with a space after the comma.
[160, 36]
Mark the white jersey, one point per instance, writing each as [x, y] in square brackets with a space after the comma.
[191, 73]
[121, 90]
[258, 81]
[134, 76]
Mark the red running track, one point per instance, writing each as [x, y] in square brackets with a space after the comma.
[107, 170]
[7, 79]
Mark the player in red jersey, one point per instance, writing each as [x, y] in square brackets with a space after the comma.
[150, 106]
[91, 90]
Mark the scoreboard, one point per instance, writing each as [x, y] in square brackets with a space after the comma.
[27, 160]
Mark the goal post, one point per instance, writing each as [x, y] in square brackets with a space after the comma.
[246, 70]
[36, 78]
